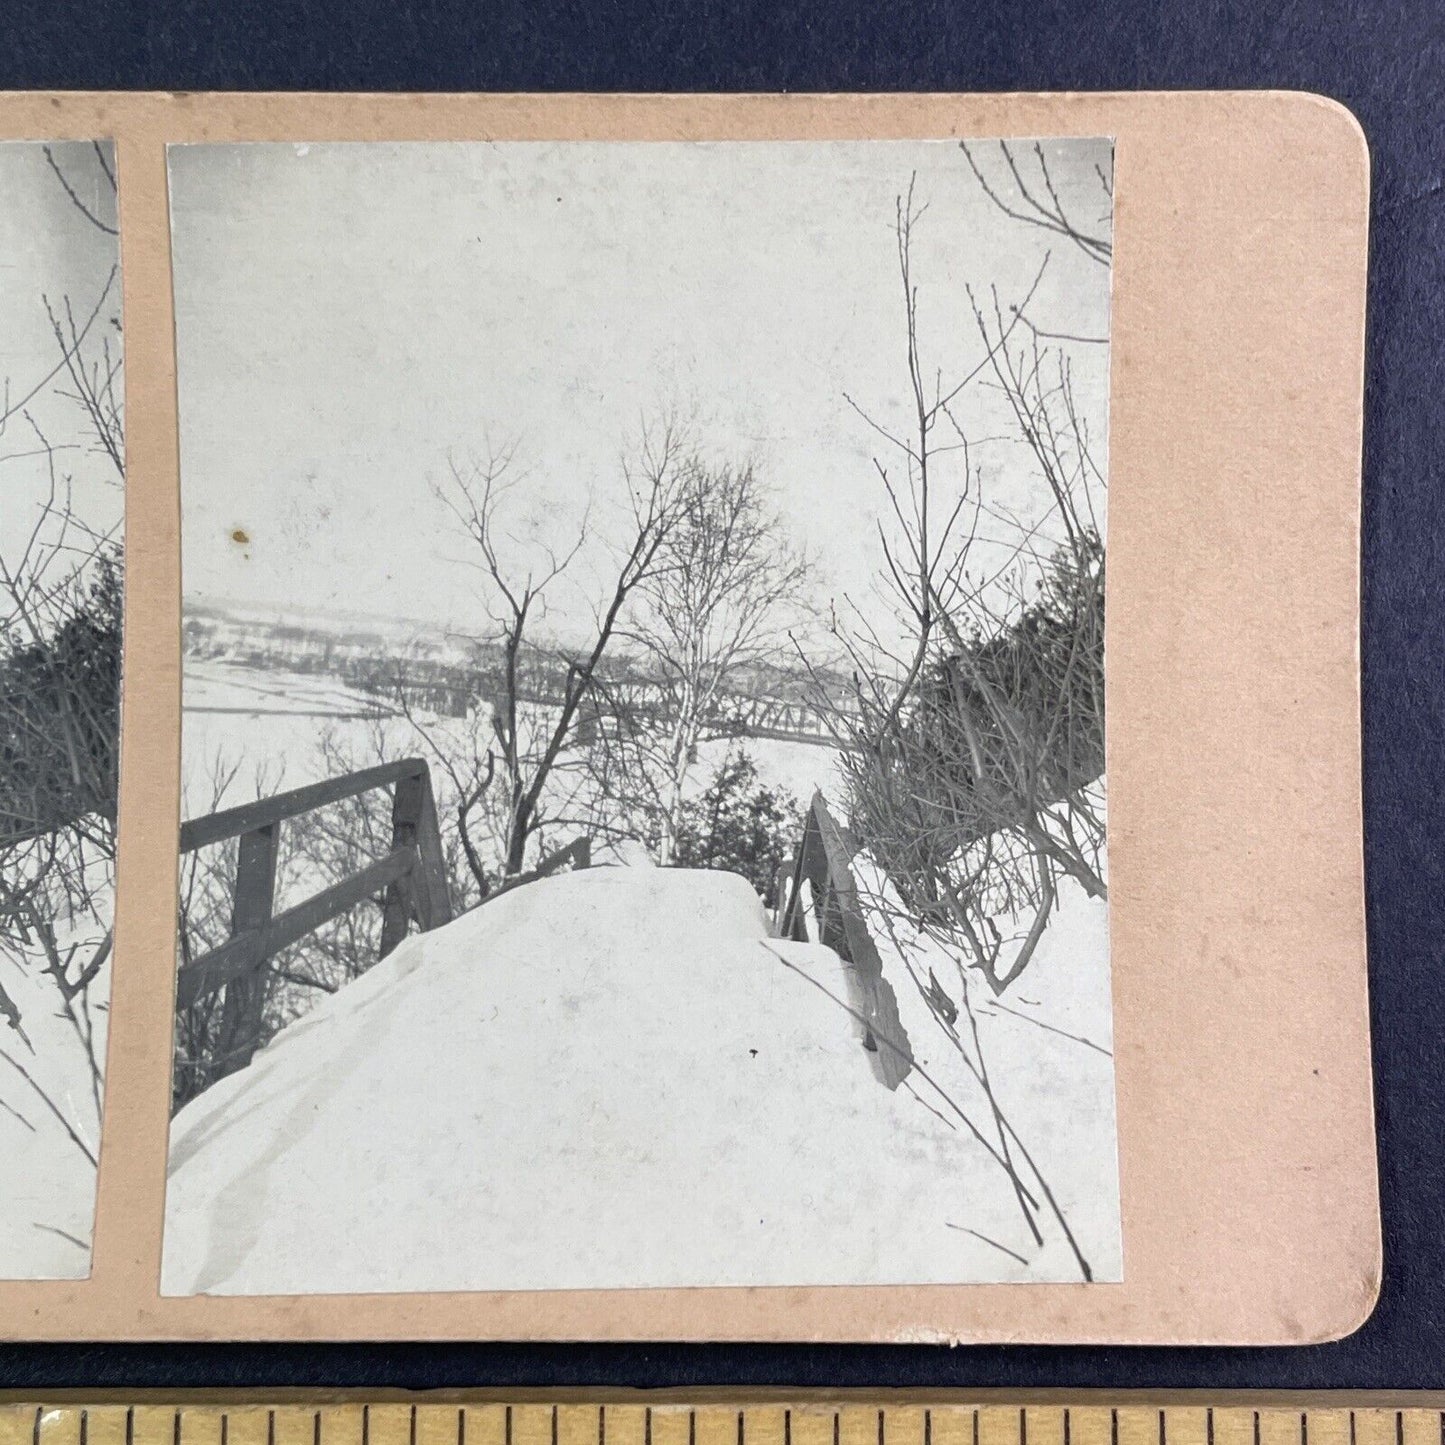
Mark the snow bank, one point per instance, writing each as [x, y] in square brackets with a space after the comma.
[1047, 1044]
[608, 1078]
[49, 1121]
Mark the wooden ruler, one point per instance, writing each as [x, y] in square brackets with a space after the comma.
[889, 1418]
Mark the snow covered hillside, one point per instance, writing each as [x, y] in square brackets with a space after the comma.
[615, 1078]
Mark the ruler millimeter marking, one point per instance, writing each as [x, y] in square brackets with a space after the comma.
[766, 1422]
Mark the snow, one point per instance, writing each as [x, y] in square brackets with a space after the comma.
[268, 726]
[614, 1078]
[1048, 1047]
[259, 730]
[214, 686]
[47, 1185]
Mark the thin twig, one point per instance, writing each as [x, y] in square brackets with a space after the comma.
[1002, 1248]
[79, 204]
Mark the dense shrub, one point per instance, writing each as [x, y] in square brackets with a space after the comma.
[984, 789]
[60, 714]
[1015, 721]
[740, 825]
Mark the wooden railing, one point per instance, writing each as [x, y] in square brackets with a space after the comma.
[412, 878]
[824, 862]
[577, 853]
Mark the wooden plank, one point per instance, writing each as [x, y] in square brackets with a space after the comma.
[400, 905]
[792, 924]
[423, 893]
[207, 973]
[869, 993]
[322, 907]
[578, 852]
[232, 822]
[433, 894]
[245, 1000]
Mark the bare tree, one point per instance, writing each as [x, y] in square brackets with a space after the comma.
[466, 757]
[533, 724]
[974, 757]
[498, 768]
[1027, 193]
[60, 622]
[1024, 189]
[721, 604]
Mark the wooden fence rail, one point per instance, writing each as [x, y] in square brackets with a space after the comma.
[578, 853]
[824, 861]
[411, 878]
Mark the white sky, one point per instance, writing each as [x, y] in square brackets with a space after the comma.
[347, 315]
[48, 249]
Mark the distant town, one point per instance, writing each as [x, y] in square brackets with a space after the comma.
[452, 674]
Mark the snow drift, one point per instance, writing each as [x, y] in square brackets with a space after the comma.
[49, 1118]
[608, 1078]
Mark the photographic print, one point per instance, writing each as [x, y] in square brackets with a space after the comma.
[643, 791]
[62, 472]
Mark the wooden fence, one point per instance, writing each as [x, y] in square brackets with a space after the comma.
[578, 853]
[412, 878]
[824, 862]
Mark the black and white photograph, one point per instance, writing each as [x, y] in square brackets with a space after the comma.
[643, 776]
[62, 472]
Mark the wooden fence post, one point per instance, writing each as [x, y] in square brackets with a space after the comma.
[411, 878]
[791, 922]
[432, 896]
[399, 908]
[421, 894]
[824, 860]
[243, 1006]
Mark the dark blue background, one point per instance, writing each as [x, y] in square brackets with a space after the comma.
[1387, 63]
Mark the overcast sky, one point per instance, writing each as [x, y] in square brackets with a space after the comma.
[49, 250]
[350, 315]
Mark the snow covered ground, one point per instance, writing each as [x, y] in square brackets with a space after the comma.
[260, 727]
[613, 1078]
[50, 1116]
[271, 724]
